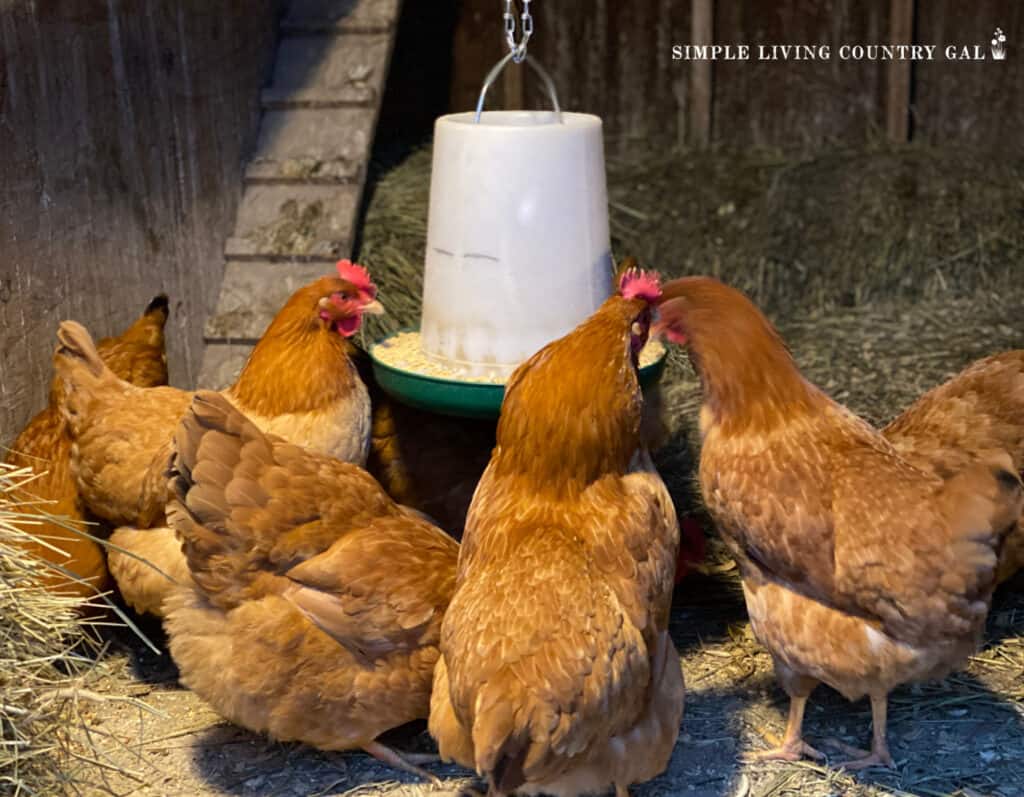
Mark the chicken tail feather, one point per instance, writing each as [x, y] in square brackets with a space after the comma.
[219, 455]
[160, 306]
[75, 345]
[501, 747]
[80, 370]
[987, 495]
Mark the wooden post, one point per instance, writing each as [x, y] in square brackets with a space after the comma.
[897, 110]
[702, 17]
[512, 86]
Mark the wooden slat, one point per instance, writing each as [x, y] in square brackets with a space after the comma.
[799, 103]
[512, 83]
[702, 16]
[897, 103]
[613, 59]
[978, 103]
[124, 129]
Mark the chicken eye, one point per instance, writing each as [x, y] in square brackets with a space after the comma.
[637, 328]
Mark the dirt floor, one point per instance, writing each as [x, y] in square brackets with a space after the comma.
[964, 736]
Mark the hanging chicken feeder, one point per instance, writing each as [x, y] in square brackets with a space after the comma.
[518, 251]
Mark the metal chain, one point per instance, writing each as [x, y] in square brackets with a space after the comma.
[518, 49]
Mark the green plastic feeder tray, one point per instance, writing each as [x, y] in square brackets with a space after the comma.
[458, 398]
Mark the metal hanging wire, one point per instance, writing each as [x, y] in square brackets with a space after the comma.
[517, 55]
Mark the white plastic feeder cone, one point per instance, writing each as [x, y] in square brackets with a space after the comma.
[518, 251]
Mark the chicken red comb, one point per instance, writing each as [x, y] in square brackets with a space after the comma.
[358, 276]
[637, 284]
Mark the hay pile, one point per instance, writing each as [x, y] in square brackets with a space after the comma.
[798, 232]
[886, 269]
[48, 658]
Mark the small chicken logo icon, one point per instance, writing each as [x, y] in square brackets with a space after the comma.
[999, 45]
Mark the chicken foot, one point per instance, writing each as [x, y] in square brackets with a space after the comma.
[793, 747]
[878, 755]
[404, 761]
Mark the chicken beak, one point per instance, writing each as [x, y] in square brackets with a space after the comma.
[373, 308]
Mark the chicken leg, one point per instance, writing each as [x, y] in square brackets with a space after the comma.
[405, 762]
[879, 755]
[793, 747]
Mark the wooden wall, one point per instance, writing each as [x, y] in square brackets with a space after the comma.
[123, 129]
[614, 59]
[980, 103]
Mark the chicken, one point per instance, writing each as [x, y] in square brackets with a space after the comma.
[859, 569]
[299, 383]
[429, 462]
[557, 673]
[965, 420]
[137, 356]
[315, 605]
[433, 462]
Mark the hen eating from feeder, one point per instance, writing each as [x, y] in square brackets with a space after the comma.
[859, 570]
[557, 673]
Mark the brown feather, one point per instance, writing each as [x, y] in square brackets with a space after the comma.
[315, 604]
[136, 355]
[977, 413]
[860, 569]
[565, 579]
[298, 384]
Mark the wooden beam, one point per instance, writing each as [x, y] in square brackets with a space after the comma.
[512, 87]
[702, 16]
[897, 106]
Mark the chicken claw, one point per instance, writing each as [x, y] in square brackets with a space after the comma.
[862, 759]
[788, 751]
[790, 748]
[879, 759]
[879, 755]
[404, 761]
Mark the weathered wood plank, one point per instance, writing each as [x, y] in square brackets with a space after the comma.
[288, 222]
[794, 103]
[702, 33]
[252, 294]
[312, 145]
[123, 128]
[973, 102]
[897, 98]
[323, 70]
[615, 60]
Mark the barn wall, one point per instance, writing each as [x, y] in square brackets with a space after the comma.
[614, 59]
[123, 129]
[978, 103]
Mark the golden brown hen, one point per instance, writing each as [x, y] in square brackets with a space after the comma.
[426, 461]
[316, 601]
[433, 462]
[859, 569]
[137, 356]
[965, 420]
[299, 383]
[557, 671]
